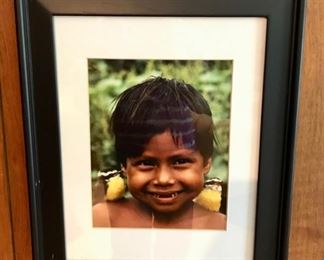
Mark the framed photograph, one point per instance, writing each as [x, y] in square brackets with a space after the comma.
[160, 131]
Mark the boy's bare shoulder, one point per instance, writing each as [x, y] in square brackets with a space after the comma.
[218, 220]
[120, 213]
[104, 212]
[100, 215]
[205, 219]
[111, 205]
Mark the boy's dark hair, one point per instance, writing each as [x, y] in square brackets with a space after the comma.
[157, 105]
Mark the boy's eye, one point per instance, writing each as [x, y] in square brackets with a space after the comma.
[145, 163]
[181, 161]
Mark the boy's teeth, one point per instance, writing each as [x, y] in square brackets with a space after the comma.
[173, 195]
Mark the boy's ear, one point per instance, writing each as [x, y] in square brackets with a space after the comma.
[207, 166]
[123, 169]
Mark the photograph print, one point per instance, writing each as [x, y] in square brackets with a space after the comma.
[159, 142]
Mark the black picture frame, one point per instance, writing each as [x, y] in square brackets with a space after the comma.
[280, 100]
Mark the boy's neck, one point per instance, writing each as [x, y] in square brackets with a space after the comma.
[184, 214]
[159, 219]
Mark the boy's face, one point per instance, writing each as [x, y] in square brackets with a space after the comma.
[167, 176]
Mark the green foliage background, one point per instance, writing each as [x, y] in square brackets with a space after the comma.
[108, 78]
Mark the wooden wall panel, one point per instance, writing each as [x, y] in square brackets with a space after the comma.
[307, 226]
[6, 250]
[15, 242]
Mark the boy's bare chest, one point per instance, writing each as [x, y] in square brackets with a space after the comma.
[130, 217]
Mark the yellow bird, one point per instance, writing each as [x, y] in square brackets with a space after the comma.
[211, 196]
[115, 184]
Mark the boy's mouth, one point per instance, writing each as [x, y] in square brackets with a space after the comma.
[165, 195]
[171, 195]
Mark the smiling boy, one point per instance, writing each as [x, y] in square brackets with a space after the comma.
[164, 140]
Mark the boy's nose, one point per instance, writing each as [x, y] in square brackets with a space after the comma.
[164, 176]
